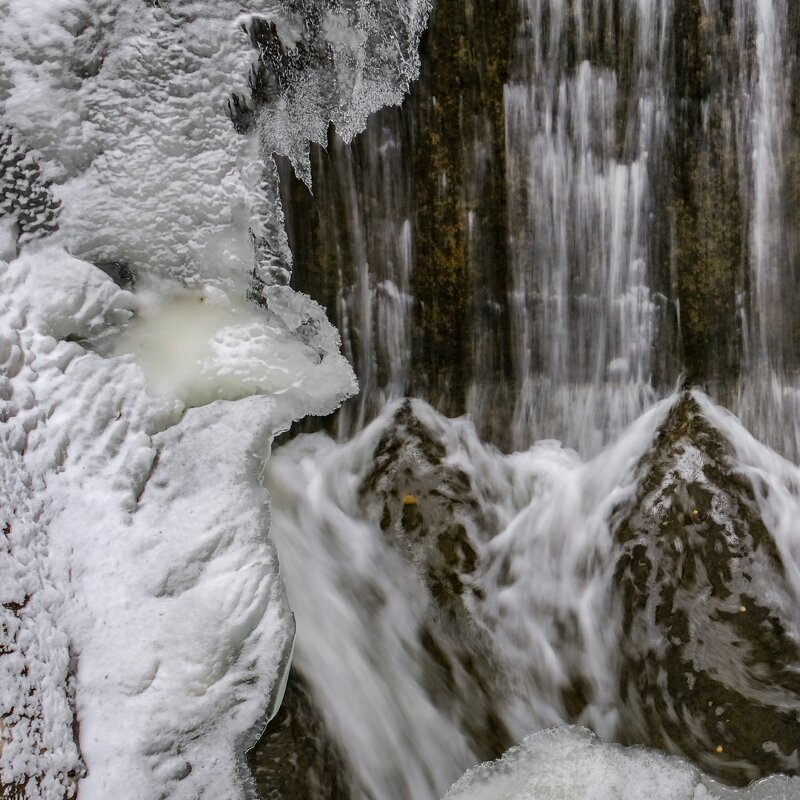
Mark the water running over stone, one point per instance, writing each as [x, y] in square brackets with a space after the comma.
[580, 206]
[602, 203]
[450, 599]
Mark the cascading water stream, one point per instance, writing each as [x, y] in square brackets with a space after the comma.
[638, 159]
[451, 600]
[609, 211]
[581, 139]
[580, 206]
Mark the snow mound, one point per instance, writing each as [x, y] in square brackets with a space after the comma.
[573, 763]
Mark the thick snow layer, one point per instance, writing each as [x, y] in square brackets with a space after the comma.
[138, 583]
[573, 763]
[123, 102]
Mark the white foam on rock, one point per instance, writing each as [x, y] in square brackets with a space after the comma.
[570, 763]
[134, 551]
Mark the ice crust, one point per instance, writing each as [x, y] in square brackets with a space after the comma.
[571, 762]
[144, 631]
[135, 568]
[123, 103]
[203, 346]
[358, 57]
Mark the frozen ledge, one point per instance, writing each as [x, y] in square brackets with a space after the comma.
[141, 597]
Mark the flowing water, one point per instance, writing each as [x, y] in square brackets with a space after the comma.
[554, 261]
[615, 201]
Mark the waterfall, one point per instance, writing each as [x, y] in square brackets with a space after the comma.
[583, 140]
[556, 243]
[605, 212]
[580, 208]
[451, 600]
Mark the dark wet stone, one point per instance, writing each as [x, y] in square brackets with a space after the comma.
[119, 272]
[427, 509]
[25, 194]
[420, 163]
[12, 791]
[709, 668]
[296, 759]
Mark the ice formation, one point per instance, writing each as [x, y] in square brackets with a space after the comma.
[138, 581]
[326, 62]
[145, 633]
[572, 763]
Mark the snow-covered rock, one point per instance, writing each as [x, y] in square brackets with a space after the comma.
[145, 631]
[572, 763]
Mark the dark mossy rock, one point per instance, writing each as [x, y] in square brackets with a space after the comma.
[12, 792]
[296, 759]
[709, 667]
[428, 509]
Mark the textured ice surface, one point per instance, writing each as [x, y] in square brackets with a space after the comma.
[124, 102]
[124, 105]
[135, 568]
[572, 764]
[143, 627]
[338, 61]
[201, 346]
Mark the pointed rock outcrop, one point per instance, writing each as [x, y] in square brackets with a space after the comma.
[710, 668]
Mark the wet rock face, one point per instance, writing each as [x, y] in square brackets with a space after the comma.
[297, 759]
[709, 667]
[437, 517]
[428, 509]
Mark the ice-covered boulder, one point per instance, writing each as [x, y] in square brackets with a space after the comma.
[145, 633]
